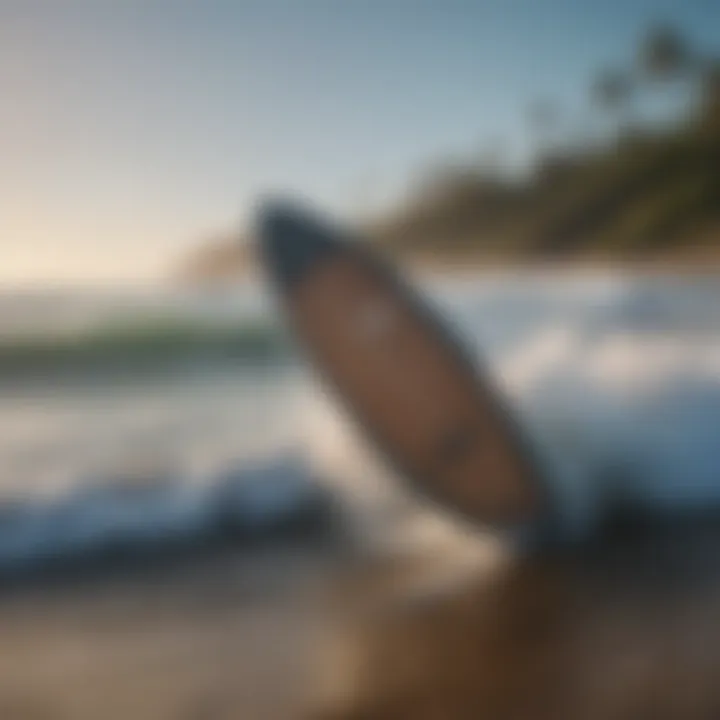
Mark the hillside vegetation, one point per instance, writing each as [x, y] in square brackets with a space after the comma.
[646, 196]
[644, 192]
[647, 188]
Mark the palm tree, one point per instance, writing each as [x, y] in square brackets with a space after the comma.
[542, 118]
[664, 54]
[612, 92]
[665, 57]
[711, 89]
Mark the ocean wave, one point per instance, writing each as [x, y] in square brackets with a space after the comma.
[616, 382]
[155, 344]
[100, 520]
[615, 379]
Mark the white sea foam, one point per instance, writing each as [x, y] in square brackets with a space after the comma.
[616, 381]
[615, 378]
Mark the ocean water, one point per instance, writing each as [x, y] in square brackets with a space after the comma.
[136, 415]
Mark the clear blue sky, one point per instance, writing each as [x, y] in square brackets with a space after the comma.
[130, 130]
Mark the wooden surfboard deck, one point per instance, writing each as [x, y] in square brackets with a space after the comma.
[399, 371]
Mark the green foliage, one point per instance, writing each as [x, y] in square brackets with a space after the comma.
[664, 53]
[644, 194]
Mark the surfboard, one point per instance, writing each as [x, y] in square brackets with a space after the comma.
[399, 369]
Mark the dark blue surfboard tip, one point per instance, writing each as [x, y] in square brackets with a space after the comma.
[293, 240]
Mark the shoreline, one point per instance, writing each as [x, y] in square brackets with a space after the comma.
[699, 261]
[225, 637]
[680, 266]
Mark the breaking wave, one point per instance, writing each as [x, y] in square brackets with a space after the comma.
[130, 519]
[149, 345]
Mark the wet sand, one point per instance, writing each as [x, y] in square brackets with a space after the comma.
[227, 637]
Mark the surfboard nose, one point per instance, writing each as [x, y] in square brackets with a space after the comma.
[293, 241]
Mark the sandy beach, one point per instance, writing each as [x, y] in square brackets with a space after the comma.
[226, 637]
